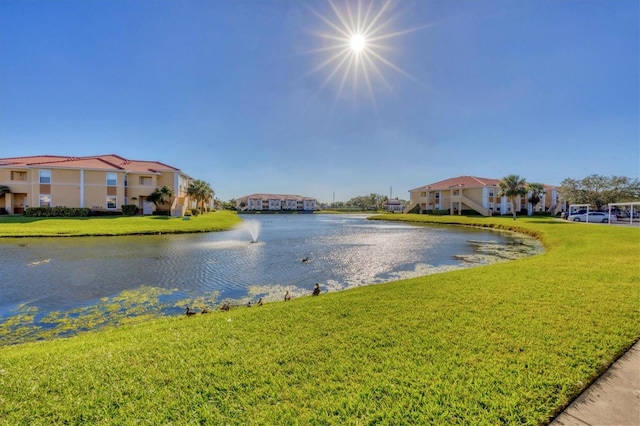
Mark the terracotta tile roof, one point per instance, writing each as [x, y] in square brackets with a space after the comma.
[106, 162]
[465, 182]
[460, 181]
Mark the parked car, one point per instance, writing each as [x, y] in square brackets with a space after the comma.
[565, 215]
[627, 214]
[593, 217]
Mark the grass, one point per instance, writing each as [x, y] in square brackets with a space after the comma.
[21, 226]
[509, 343]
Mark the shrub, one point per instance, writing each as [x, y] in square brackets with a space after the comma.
[3, 211]
[129, 209]
[195, 212]
[58, 211]
[162, 212]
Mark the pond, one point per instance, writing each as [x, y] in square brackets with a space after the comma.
[57, 286]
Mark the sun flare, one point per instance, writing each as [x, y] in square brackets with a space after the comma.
[358, 43]
[355, 48]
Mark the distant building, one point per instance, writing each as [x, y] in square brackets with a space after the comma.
[466, 193]
[393, 205]
[275, 202]
[100, 183]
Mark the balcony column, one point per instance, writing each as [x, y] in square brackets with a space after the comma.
[8, 202]
[81, 187]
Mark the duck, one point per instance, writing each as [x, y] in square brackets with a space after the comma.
[259, 302]
[249, 304]
[189, 312]
[205, 311]
[225, 307]
[287, 296]
[316, 290]
[305, 259]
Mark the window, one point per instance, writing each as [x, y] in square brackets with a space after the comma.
[145, 180]
[45, 200]
[112, 202]
[112, 179]
[490, 192]
[183, 184]
[18, 175]
[45, 176]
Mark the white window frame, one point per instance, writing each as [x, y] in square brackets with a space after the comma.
[115, 202]
[42, 200]
[112, 177]
[44, 175]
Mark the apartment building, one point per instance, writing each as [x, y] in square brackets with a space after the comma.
[100, 183]
[465, 193]
[275, 202]
[393, 206]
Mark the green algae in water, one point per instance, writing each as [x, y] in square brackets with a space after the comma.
[127, 307]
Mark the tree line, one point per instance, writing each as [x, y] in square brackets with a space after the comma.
[596, 190]
[363, 202]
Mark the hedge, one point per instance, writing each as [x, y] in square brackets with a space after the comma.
[57, 212]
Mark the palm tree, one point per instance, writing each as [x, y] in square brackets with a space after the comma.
[537, 191]
[512, 186]
[160, 196]
[4, 189]
[201, 191]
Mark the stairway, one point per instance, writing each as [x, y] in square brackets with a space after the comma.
[410, 207]
[477, 207]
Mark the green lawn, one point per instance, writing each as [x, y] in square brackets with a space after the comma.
[21, 226]
[509, 343]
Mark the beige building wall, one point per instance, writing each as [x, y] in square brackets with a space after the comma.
[64, 188]
[139, 186]
[166, 179]
[79, 186]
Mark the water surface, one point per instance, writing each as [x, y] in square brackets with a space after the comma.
[49, 280]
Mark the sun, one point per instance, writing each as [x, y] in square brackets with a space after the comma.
[356, 46]
[358, 43]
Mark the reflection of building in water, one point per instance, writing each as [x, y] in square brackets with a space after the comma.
[275, 202]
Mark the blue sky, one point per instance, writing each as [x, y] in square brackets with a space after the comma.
[234, 92]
